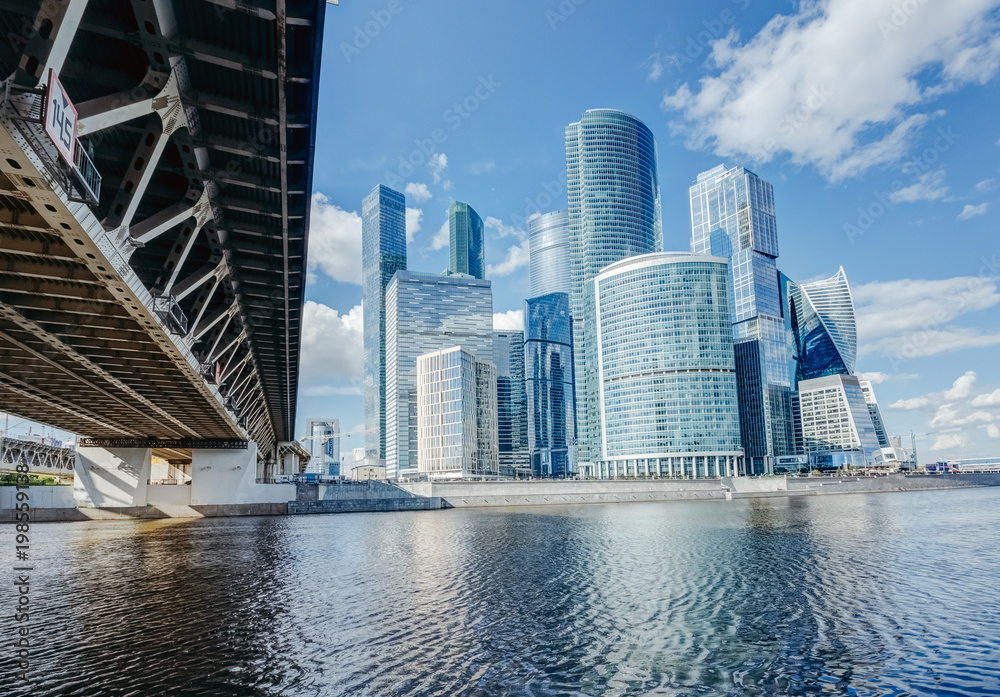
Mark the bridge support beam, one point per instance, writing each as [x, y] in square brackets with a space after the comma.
[111, 478]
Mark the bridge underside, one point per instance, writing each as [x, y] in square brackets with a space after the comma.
[152, 287]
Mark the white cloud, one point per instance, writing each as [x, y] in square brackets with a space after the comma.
[504, 230]
[334, 241]
[962, 387]
[971, 211]
[990, 399]
[877, 377]
[413, 218]
[654, 66]
[329, 390]
[949, 441]
[929, 187]
[986, 185]
[805, 85]
[992, 431]
[442, 237]
[926, 328]
[910, 404]
[418, 191]
[511, 320]
[438, 164]
[332, 359]
[517, 258]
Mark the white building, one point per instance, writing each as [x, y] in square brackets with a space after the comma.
[869, 393]
[323, 442]
[456, 415]
[837, 427]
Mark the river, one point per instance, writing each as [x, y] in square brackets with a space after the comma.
[879, 594]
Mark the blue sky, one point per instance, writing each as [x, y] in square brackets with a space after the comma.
[876, 125]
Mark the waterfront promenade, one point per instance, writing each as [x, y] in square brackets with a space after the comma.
[58, 504]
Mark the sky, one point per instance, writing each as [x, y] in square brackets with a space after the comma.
[875, 121]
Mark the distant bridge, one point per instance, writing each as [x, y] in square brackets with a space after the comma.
[40, 459]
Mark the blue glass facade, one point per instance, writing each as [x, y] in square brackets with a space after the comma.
[549, 385]
[667, 389]
[614, 213]
[512, 407]
[424, 313]
[383, 253]
[549, 245]
[823, 326]
[732, 216]
[467, 246]
[324, 446]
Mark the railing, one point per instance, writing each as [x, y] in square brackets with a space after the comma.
[87, 175]
[168, 482]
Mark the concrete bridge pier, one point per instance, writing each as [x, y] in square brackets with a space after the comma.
[111, 477]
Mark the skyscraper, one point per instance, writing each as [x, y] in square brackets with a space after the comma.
[383, 253]
[426, 312]
[614, 213]
[324, 446]
[549, 247]
[732, 216]
[512, 416]
[457, 414]
[824, 327]
[549, 385]
[869, 393]
[467, 245]
[666, 370]
[836, 424]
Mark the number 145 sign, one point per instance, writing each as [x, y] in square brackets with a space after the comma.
[60, 118]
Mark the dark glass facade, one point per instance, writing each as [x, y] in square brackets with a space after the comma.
[466, 235]
[549, 385]
[512, 406]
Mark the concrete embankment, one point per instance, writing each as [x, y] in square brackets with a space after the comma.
[358, 498]
[477, 494]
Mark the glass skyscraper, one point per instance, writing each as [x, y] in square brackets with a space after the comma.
[614, 213]
[383, 253]
[666, 370]
[423, 313]
[457, 414]
[549, 246]
[823, 327]
[467, 245]
[512, 416]
[869, 393]
[324, 446]
[836, 424]
[732, 216]
[549, 385]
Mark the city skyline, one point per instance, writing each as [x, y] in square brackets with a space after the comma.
[874, 199]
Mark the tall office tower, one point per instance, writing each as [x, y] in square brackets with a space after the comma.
[324, 446]
[512, 407]
[457, 414]
[426, 312]
[732, 216]
[549, 252]
[466, 237]
[614, 213]
[549, 385]
[824, 327]
[383, 253]
[836, 424]
[869, 392]
[666, 368]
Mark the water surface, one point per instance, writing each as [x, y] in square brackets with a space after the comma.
[862, 595]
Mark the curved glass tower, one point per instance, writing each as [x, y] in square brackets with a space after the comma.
[549, 245]
[614, 213]
[466, 241]
[824, 326]
[666, 383]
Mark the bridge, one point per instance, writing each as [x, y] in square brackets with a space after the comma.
[156, 162]
[38, 459]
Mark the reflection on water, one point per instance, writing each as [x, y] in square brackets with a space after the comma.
[863, 595]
